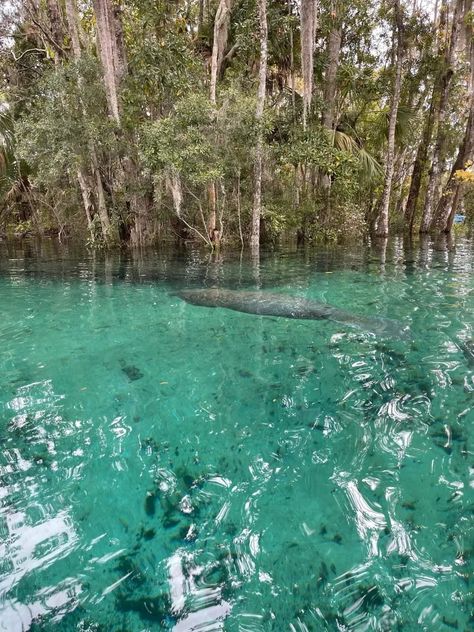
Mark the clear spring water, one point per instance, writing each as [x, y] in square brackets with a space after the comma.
[165, 466]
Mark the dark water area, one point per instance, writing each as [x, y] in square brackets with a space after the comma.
[174, 466]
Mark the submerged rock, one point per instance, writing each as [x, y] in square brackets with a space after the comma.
[150, 502]
[132, 372]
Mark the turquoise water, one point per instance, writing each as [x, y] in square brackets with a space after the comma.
[165, 466]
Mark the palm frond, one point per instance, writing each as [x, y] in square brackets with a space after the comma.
[6, 130]
[371, 169]
[344, 142]
[6, 142]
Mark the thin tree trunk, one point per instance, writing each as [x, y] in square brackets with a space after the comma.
[221, 32]
[308, 31]
[239, 210]
[432, 192]
[71, 16]
[333, 51]
[418, 170]
[211, 194]
[292, 64]
[86, 200]
[102, 205]
[457, 202]
[262, 80]
[201, 15]
[399, 176]
[446, 202]
[173, 183]
[329, 94]
[381, 223]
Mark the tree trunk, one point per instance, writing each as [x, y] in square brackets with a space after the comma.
[111, 51]
[425, 142]
[292, 64]
[173, 182]
[381, 223]
[457, 202]
[308, 31]
[72, 21]
[239, 213]
[400, 174]
[329, 94]
[446, 202]
[101, 203]
[113, 58]
[201, 15]
[221, 32]
[418, 169]
[211, 192]
[452, 193]
[445, 81]
[262, 80]
[57, 26]
[333, 50]
[86, 200]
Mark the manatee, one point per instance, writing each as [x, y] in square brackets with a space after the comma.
[467, 347]
[287, 306]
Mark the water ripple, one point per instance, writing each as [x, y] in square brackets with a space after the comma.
[173, 468]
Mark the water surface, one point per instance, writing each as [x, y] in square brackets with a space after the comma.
[166, 466]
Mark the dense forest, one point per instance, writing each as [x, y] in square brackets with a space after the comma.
[232, 121]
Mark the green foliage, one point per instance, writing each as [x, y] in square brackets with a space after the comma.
[183, 140]
[163, 65]
[55, 123]
[58, 125]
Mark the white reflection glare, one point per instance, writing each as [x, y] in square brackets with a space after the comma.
[31, 547]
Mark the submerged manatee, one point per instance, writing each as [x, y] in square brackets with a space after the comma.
[467, 347]
[285, 306]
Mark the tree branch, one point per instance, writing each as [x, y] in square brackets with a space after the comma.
[48, 36]
[208, 242]
[30, 50]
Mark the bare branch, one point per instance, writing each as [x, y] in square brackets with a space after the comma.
[208, 242]
[30, 50]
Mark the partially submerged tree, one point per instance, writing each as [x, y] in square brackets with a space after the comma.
[452, 193]
[441, 103]
[262, 82]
